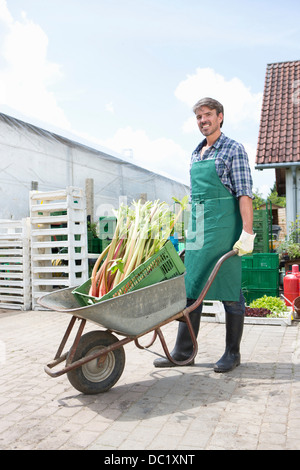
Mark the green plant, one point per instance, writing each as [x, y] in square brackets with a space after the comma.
[291, 246]
[92, 228]
[274, 304]
[275, 199]
[295, 230]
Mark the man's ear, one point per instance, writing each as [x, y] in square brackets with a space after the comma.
[220, 118]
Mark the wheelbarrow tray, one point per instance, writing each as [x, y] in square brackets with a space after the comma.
[131, 314]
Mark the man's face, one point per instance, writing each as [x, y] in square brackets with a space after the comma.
[208, 121]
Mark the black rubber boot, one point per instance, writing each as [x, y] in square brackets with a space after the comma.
[184, 346]
[234, 331]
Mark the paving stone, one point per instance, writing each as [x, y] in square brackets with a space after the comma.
[256, 406]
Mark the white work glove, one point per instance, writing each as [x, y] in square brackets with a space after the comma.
[245, 243]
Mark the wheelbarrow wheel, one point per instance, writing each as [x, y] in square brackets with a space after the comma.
[98, 375]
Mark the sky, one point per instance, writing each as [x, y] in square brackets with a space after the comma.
[124, 75]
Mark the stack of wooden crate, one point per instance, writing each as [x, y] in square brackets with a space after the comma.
[58, 240]
[15, 277]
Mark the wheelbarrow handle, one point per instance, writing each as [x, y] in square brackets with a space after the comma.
[209, 281]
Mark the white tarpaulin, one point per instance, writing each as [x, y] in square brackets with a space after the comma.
[34, 158]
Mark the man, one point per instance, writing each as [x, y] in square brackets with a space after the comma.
[221, 219]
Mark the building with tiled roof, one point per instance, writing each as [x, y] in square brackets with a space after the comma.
[279, 134]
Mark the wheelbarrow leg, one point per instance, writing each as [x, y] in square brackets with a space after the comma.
[65, 338]
[76, 341]
[59, 357]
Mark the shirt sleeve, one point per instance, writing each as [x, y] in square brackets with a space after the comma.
[241, 178]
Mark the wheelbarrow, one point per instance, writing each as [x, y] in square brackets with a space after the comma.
[96, 360]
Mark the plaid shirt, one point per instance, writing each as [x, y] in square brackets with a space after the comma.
[232, 164]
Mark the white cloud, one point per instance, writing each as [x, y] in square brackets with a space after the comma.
[27, 74]
[110, 108]
[160, 155]
[239, 102]
[4, 13]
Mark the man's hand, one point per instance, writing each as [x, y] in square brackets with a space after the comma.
[245, 243]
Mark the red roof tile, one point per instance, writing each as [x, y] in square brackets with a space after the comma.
[279, 133]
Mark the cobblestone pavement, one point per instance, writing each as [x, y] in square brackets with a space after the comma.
[256, 406]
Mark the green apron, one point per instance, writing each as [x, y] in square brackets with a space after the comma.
[215, 225]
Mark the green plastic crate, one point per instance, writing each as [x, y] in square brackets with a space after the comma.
[90, 242]
[104, 244]
[163, 265]
[259, 214]
[266, 260]
[260, 227]
[260, 278]
[96, 245]
[252, 294]
[261, 242]
[247, 261]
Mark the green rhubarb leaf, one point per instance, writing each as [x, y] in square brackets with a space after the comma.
[183, 202]
[118, 264]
